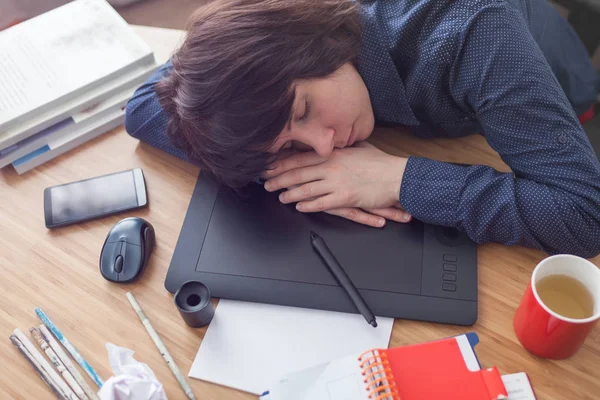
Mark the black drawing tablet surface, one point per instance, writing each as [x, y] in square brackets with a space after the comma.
[248, 246]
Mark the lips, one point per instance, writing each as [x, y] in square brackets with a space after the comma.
[352, 137]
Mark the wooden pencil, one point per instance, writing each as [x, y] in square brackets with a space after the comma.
[70, 348]
[161, 347]
[40, 371]
[62, 387]
[35, 333]
[67, 362]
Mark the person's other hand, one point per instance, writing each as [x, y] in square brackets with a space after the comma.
[372, 217]
[375, 217]
[355, 177]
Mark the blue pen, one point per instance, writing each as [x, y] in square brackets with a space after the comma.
[63, 340]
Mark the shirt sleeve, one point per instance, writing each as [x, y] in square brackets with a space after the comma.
[145, 118]
[551, 201]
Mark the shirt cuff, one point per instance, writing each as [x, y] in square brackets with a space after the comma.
[431, 190]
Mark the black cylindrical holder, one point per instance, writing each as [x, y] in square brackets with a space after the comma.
[194, 303]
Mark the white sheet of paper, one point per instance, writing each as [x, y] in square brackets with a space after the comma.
[248, 346]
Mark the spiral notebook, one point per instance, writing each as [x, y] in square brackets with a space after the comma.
[444, 369]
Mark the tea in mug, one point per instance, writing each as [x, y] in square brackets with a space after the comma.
[566, 296]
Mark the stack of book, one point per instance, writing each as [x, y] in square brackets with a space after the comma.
[65, 78]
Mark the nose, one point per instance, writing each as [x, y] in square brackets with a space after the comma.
[322, 142]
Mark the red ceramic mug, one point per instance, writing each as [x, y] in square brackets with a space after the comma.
[544, 332]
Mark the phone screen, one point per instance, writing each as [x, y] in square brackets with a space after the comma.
[95, 197]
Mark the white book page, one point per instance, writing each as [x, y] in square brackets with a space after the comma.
[118, 100]
[60, 51]
[53, 115]
[108, 114]
[518, 386]
[340, 379]
[77, 122]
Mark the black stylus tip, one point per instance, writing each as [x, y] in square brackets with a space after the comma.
[313, 235]
[373, 324]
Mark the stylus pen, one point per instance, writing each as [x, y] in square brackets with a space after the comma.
[336, 269]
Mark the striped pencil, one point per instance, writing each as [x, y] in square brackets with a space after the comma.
[67, 362]
[161, 347]
[62, 387]
[36, 366]
[70, 348]
[58, 364]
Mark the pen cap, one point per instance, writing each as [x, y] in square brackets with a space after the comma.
[193, 300]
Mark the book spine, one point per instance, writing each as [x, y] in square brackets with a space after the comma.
[377, 376]
[493, 381]
[47, 153]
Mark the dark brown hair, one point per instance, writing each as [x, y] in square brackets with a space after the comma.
[230, 91]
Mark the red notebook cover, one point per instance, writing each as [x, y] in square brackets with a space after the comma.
[432, 370]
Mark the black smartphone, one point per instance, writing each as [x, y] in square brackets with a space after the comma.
[94, 198]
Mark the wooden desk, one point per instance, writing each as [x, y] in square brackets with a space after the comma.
[58, 271]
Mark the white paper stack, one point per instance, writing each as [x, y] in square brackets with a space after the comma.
[65, 78]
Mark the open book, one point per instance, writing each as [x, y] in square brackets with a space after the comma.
[443, 369]
[60, 56]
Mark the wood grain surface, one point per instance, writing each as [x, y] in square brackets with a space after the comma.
[58, 271]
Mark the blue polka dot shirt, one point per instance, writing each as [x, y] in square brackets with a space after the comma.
[511, 70]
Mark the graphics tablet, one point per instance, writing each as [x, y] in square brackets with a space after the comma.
[248, 246]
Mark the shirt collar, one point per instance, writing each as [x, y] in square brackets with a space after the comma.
[376, 67]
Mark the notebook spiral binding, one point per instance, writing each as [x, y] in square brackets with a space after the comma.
[378, 376]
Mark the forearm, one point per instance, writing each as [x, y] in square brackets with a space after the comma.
[146, 120]
[497, 207]
[551, 200]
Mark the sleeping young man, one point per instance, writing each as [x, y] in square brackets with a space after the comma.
[290, 90]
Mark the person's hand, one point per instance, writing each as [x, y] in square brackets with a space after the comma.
[350, 180]
[372, 217]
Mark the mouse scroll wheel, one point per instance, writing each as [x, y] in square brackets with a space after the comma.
[119, 264]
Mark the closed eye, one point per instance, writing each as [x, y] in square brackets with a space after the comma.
[304, 116]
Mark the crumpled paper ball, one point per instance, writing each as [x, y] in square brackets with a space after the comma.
[131, 380]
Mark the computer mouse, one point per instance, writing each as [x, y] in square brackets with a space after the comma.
[126, 250]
